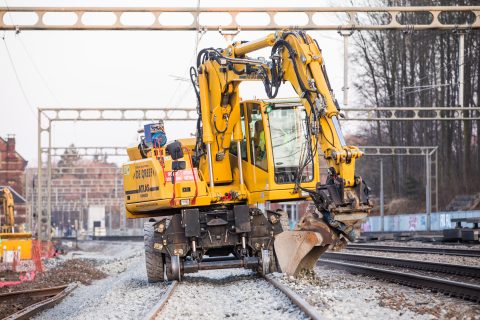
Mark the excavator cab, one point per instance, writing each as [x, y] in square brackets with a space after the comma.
[274, 141]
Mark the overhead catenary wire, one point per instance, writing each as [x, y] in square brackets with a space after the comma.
[17, 77]
[198, 37]
[37, 69]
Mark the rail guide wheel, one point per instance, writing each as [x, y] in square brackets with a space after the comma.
[268, 263]
[174, 268]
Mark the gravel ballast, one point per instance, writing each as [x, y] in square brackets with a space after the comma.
[241, 294]
[228, 294]
[466, 261]
[341, 295]
[125, 294]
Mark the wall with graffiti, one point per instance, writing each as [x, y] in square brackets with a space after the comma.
[417, 222]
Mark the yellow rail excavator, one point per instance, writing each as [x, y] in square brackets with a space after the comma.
[13, 240]
[207, 199]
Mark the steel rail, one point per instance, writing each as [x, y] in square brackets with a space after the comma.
[447, 268]
[155, 311]
[461, 290]
[54, 295]
[295, 298]
[35, 293]
[428, 250]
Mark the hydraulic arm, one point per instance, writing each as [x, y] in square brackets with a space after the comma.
[6, 198]
[295, 58]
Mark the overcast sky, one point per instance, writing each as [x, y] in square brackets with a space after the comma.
[117, 69]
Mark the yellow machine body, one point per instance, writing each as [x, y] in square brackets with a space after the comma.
[10, 238]
[253, 152]
[149, 189]
[17, 242]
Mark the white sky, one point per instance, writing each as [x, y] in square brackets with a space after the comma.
[118, 69]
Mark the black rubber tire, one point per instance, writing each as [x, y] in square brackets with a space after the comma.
[153, 259]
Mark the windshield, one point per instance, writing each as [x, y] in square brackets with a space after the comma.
[290, 147]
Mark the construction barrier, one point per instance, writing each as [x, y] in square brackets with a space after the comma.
[26, 269]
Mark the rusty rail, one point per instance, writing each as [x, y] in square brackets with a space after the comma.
[458, 289]
[295, 298]
[427, 250]
[53, 296]
[448, 268]
[155, 311]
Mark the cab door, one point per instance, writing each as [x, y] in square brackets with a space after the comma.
[256, 169]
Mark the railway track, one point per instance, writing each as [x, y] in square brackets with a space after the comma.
[155, 312]
[427, 250]
[295, 298]
[457, 289]
[447, 268]
[48, 298]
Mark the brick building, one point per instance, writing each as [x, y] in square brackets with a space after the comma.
[12, 174]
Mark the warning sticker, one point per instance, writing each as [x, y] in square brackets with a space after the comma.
[182, 175]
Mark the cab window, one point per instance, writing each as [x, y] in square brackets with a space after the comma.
[258, 147]
[289, 144]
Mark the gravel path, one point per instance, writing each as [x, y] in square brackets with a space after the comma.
[340, 295]
[125, 294]
[232, 294]
[240, 294]
[467, 261]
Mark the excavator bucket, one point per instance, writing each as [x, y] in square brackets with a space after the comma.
[300, 249]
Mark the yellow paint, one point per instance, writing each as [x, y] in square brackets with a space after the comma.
[10, 239]
[222, 127]
[13, 243]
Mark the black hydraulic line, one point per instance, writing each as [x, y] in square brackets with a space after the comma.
[193, 79]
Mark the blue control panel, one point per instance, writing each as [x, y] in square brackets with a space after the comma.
[155, 134]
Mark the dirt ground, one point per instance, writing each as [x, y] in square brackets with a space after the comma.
[69, 271]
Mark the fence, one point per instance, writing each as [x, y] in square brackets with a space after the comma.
[417, 222]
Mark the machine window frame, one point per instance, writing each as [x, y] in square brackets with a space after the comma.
[255, 153]
[309, 174]
[243, 142]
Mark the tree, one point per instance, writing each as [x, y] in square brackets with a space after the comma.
[69, 158]
[420, 69]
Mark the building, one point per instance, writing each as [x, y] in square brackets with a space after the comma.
[81, 185]
[12, 174]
